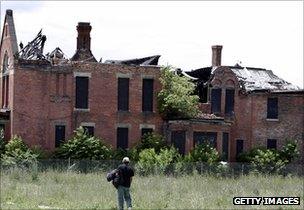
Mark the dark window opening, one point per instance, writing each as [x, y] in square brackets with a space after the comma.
[216, 95]
[202, 92]
[271, 144]
[147, 95]
[272, 108]
[59, 135]
[205, 138]
[178, 139]
[122, 138]
[5, 63]
[82, 92]
[239, 146]
[229, 101]
[225, 146]
[89, 130]
[123, 94]
[146, 131]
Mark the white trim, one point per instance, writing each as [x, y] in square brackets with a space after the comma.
[122, 75]
[89, 124]
[272, 120]
[145, 76]
[123, 125]
[82, 74]
[141, 126]
[81, 110]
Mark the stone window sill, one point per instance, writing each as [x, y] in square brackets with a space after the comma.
[272, 120]
[81, 110]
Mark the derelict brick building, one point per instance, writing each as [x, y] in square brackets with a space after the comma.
[45, 97]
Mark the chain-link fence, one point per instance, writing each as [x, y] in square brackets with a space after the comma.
[176, 169]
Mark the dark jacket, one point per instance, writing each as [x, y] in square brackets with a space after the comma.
[125, 172]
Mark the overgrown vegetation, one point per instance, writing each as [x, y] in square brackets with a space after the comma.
[270, 160]
[83, 146]
[16, 152]
[176, 99]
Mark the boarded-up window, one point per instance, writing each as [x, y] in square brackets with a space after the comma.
[147, 95]
[178, 139]
[225, 146]
[271, 144]
[122, 138]
[82, 92]
[229, 101]
[205, 138]
[216, 100]
[59, 134]
[89, 130]
[239, 146]
[272, 108]
[146, 131]
[123, 94]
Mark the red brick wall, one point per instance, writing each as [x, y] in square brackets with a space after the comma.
[38, 107]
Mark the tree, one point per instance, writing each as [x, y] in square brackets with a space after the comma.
[176, 99]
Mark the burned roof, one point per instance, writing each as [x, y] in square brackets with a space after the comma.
[256, 79]
[151, 60]
[201, 73]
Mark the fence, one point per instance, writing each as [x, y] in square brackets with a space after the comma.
[176, 169]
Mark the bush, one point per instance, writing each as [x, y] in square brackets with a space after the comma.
[204, 153]
[289, 151]
[270, 160]
[83, 146]
[176, 99]
[2, 143]
[150, 162]
[17, 153]
[151, 140]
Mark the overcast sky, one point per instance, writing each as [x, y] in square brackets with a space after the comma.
[259, 34]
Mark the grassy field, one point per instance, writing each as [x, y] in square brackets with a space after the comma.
[70, 190]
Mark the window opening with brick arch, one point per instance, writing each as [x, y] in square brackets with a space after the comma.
[122, 137]
[147, 95]
[205, 138]
[229, 102]
[216, 95]
[59, 134]
[271, 144]
[178, 140]
[272, 108]
[82, 92]
[123, 94]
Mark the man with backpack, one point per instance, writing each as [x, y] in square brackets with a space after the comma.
[125, 173]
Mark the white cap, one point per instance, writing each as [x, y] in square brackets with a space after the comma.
[125, 160]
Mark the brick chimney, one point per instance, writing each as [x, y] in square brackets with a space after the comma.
[83, 51]
[84, 39]
[216, 55]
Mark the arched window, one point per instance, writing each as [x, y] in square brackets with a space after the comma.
[5, 63]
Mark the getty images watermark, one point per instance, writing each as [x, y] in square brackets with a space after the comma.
[266, 201]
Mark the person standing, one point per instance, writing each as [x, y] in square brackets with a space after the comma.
[123, 190]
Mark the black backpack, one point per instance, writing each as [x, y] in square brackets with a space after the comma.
[117, 178]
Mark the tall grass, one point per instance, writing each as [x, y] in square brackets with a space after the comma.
[71, 190]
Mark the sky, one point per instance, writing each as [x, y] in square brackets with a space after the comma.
[256, 33]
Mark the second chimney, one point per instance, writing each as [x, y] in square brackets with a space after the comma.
[84, 39]
[216, 55]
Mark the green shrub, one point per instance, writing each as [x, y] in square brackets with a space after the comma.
[147, 161]
[17, 153]
[204, 153]
[289, 151]
[176, 99]
[163, 163]
[82, 146]
[151, 140]
[267, 161]
[2, 143]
